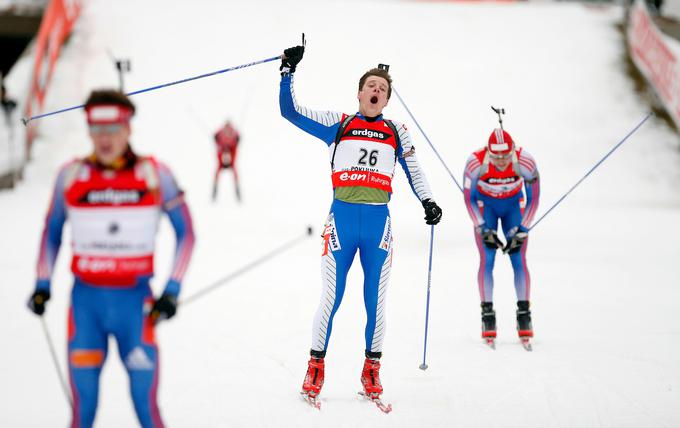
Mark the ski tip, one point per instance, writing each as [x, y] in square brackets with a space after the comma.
[527, 345]
[423, 366]
[311, 400]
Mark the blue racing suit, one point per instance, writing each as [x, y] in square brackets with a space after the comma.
[492, 196]
[363, 153]
[114, 216]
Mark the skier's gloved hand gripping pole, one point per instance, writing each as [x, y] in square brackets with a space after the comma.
[26, 120]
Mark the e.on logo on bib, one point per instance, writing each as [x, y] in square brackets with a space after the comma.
[354, 176]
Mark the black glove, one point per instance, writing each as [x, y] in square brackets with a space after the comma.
[291, 58]
[490, 238]
[516, 241]
[164, 308]
[432, 211]
[37, 301]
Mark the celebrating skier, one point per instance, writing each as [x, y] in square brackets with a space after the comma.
[113, 199]
[363, 149]
[495, 177]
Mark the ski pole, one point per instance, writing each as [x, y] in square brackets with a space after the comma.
[650, 114]
[222, 281]
[55, 360]
[26, 120]
[423, 366]
[427, 139]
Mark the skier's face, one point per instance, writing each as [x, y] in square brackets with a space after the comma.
[373, 96]
[501, 162]
[110, 141]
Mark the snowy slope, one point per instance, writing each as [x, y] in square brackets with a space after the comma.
[604, 263]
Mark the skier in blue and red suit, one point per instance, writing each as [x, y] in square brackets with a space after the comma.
[363, 150]
[113, 200]
[495, 177]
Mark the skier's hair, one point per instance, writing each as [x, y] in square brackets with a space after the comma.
[379, 72]
[109, 96]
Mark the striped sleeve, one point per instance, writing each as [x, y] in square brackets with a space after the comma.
[529, 171]
[472, 170]
[180, 218]
[50, 241]
[406, 155]
[321, 124]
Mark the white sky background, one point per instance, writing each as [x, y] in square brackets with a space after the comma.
[604, 263]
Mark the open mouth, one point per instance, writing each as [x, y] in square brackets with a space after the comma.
[374, 99]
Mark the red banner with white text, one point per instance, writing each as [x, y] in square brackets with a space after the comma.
[656, 60]
[58, 20]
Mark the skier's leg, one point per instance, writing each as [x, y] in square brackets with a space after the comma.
[510, 220]
[237, 185]
[376, 260]
[487, 256]
[216, 178]
[134, 332]
[87, 348]
[340, 239]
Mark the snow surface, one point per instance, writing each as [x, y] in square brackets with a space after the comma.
[604, 264]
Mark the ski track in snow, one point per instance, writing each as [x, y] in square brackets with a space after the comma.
[603, 264]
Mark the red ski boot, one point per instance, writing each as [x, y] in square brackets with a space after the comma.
[370, 378]
[314, 378]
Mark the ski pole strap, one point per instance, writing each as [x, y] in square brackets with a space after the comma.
[153, 88]
[427, 139]
[650, 114]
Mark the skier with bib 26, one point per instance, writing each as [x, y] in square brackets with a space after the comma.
[363, 149]
[495, 177]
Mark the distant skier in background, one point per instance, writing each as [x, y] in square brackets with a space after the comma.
[363, 149]
[226, 141]
[113, 200]
[495, 177]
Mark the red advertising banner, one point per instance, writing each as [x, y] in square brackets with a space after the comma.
[58, 20]
[653, 57]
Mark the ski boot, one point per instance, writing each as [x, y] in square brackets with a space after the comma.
[370, 379]
[488, 324]
[311, 387]
[524, 328]
[370, 375]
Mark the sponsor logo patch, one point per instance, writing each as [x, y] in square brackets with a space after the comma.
[112, 197]
[505, 180]
[367, 133]
[386, 240]
[82, 358]
[330, 236]
[138, 360]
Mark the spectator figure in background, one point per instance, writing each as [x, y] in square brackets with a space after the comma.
[495, 177]
[113, 200]
[8, 104]
[226, 141]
